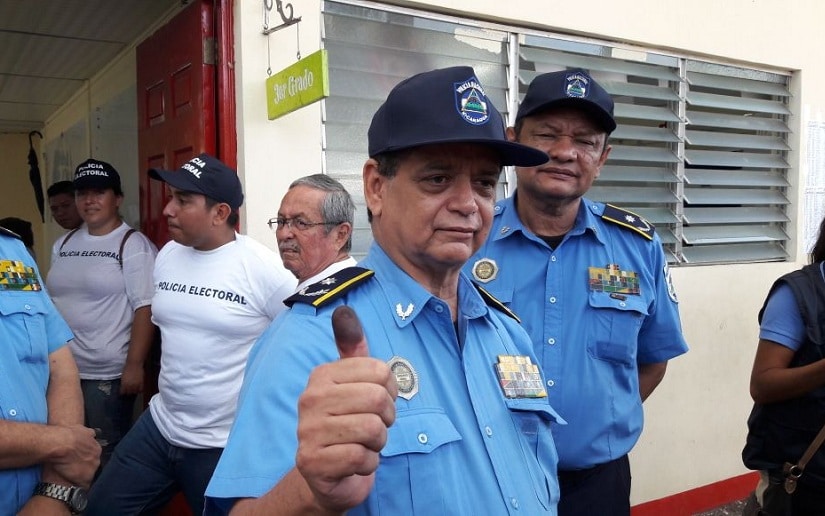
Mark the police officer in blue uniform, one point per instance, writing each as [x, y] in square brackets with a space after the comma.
[47, 456]
[591, 285]
[470, 429]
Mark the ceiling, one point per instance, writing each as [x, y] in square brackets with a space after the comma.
[49, 48]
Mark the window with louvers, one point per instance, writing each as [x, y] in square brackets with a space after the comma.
[370, 51]
[700, 149]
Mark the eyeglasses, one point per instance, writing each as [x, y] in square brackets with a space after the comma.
[296, 223]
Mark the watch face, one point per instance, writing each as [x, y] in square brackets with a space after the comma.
[78, 500]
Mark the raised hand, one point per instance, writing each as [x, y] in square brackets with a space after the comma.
[343, 416]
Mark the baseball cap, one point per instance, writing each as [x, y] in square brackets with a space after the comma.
[447, 105]
[573, 88]
[94, 173]
[205, 175]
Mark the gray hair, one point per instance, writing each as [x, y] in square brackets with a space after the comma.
[337, 206]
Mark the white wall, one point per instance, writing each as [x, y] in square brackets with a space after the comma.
[271, 154]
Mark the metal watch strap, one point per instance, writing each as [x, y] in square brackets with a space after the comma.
[56, 491]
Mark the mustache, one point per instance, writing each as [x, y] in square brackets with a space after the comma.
[288, 247]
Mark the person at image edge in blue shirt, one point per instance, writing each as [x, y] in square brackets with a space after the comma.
[47, 456]
[470, 430]
[590, 283]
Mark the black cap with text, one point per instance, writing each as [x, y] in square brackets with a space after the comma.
[205, 175]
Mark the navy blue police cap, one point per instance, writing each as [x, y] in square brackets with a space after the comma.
[205, 175]
[569, 88]
[444, 106]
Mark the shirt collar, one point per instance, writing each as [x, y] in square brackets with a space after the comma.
[406, 298]
[507, 222]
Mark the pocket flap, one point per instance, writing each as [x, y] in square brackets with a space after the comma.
[419, 431]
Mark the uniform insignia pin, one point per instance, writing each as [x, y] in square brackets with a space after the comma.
[15, 275]
[519, 377]
[613, 280]
[327, 281]
[305, 292]
[485, 270]
[403, 314]
[405, 377]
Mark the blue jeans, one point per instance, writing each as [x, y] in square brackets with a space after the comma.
[108, 412]
[146, 471]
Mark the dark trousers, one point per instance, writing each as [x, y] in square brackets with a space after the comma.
[602, 490]
[146, 471]
[807, 500]
[107, 412]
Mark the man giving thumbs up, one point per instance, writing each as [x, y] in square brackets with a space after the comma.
[437, 407]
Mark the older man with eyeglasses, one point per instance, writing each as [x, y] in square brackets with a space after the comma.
[314, 228]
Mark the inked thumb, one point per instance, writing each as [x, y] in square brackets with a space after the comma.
[349, 337]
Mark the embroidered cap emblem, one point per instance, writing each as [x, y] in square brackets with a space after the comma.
[471, 102]
[405, 377]
[575, 85]
[485, 270]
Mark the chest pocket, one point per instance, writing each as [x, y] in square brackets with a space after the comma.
[533, 418]
[26, 328]
[614, 329]
[406, 460]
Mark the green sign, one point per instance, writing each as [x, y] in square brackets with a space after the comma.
[299, 85]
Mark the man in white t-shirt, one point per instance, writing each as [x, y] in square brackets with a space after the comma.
[215, 293]
[314, 228]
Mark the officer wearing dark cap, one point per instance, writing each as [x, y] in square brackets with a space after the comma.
[436, 406]
[591, 285]
[215, 292]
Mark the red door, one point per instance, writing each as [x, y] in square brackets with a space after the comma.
[178, 83]
[176, 104]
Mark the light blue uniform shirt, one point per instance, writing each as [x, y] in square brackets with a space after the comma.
[589, 342]
[458, 446]
[30, 329]
[781, 322]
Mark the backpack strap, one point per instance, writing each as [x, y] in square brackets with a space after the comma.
[123, 245]
[68, 236]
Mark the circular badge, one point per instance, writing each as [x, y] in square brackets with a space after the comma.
[485, 270]
[405, 377]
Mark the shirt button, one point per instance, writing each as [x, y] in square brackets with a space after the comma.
[422, 438]
[27, 307]
[514, 503]
[13, 412]
[488, 431]
[550, 383]
[552, 299]
[622, 304]
[552, 258]
[439, 308]
[551, 341]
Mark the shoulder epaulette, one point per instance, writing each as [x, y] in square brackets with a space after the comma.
[330, 288]
[629, 220]
[10, 233]
[495, 303]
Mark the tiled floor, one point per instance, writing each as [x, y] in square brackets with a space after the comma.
[731, 509]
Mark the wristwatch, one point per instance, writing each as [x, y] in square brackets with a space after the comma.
[74, 497]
